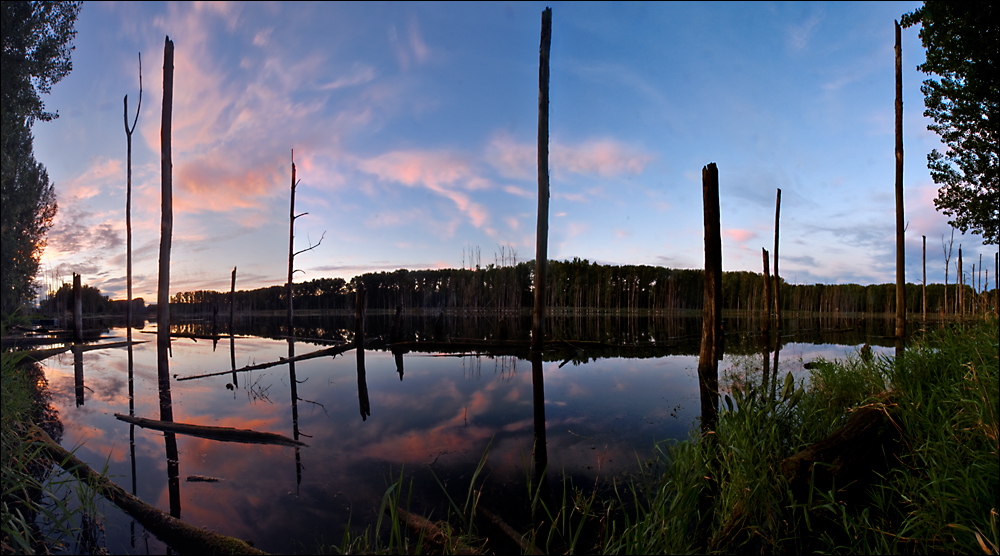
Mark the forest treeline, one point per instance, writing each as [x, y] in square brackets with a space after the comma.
[572, 285]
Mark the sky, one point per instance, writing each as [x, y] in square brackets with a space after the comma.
[414, 131]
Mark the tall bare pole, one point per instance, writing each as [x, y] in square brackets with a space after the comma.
[711, 334]
[777, 280]
[900, 245]
[232, 302]
[767, 293]
[960, 284]
[166, 230]
[924, 264]
[291, 243]
[542, 230]
[128, 206]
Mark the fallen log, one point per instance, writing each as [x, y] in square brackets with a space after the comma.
[335, 350]
[179, 535]
[38, 355]
[432, 532]
[526, 546]
[222, 434]
[849, 459]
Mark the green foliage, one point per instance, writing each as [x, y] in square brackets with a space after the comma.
[36, 55]
[942, 497]
[963, 45]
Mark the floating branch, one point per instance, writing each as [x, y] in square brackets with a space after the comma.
[336, 350]
[40, 354]
[222, 434]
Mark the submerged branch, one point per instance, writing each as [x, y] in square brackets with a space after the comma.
[222, 434]
[181, 536]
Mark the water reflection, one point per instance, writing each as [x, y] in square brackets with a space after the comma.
[78, 373]
[587, 418]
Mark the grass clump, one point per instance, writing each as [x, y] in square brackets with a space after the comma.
[33, 517]
[725, 492]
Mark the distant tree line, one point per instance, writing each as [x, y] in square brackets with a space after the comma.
[576, 285]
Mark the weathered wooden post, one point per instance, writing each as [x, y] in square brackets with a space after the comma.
[359, 340]
[77, 309]
[960, 284]
[777, 279]
[711, 331]
[542, 229]
[232, 303]
[541, 262]
[163, 285]
[166, 230]
[767, 292]
[923, 309]
[900, 225]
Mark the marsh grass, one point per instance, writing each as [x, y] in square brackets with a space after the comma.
[940, 496]
[42, 508]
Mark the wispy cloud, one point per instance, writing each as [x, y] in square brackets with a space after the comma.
[443, 173]
[798, 35]
[597, 157]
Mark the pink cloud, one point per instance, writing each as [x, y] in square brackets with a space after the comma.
[95, 178]
[738, 235]
[206, 183]
[442, 173]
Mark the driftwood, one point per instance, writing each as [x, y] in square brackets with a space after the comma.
[223, 434]
[432, 533]
[181, 536]
[41, 354]
[336, 350]
[850, 458]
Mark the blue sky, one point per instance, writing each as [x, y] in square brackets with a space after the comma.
[414, 131]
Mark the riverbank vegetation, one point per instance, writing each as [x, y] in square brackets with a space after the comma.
[936, 491]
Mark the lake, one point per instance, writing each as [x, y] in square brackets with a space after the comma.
[604, 411]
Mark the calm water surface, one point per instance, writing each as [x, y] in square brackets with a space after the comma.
[601, 418]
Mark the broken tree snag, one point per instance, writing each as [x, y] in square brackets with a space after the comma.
[900, 226]
[181, 536]
[222, 434]
[777, 280]
[766, 325]
[128, 205]
[923, 305]
[851, 457]
[711, 332]
[166, 226]
[77, 309]
[542, 229]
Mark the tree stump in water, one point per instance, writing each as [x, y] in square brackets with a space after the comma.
[849, 459]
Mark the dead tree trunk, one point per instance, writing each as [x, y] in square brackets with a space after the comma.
[923, 305]
[77, 309]
[542, 229]
[960, 284]
[166, 230]
[291, 243]
[777, 279]
[232, 303]
[711, 332]
[767, 292]
[900, 225]
[128, 206]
